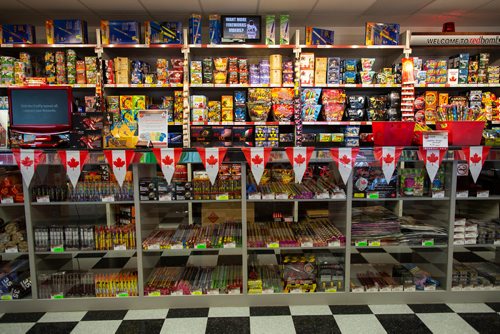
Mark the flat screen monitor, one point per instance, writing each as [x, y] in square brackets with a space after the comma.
[241, 28]
[40, 109]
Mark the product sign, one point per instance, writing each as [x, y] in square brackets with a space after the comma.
[119, 160]
[73, 162]
[153, 126]
[432, 160]
[299, 158]
[167, 158]
[435, 140]
[212, 158]
[388, 156]
[475, 157]
[257, 158]
[345, 158]
[27, 160]
[455, 40]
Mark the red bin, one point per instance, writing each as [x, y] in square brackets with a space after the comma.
[393, 133]
[466, 133]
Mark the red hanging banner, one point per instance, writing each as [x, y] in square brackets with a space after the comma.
[257, 158]
[119, 160]
[167, 158]
[212, 158]
[388, 156]
[299, 158]
[344, 157]
[432, 160]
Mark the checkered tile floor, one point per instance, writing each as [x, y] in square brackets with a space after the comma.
[417, 318]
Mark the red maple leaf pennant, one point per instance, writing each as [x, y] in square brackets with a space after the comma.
[257, 160]
[432, 158]
[345, 160]
[119, 163]
[168, 161]
[475, 159]
[212, 160]
[27, 162]
[388, 158]
[299, 159]
[73, 163]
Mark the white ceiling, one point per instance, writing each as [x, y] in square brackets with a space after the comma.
[318, 12]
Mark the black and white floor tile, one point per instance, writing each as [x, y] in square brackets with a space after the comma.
[317, 319]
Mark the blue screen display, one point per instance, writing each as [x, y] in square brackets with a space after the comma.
[39, 107]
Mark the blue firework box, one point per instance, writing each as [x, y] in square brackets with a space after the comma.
[120, 32]
[17, 34]
[163, 32]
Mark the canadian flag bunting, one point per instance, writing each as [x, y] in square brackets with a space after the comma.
[167, 158]
[27, 160]
[299, 158]
[432, 160]
[119, 160]
[73, 162]
[388, 156]
[345, 158]
[257, 158]
[475, 156]
[212, 157]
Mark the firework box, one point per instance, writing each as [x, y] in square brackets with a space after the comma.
[120, 32]
[66, 31]
[163, 32]
[17, 34]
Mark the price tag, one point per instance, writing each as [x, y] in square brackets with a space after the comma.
[201, 246]
[361, 243]
[57, 249]
[307, 244]
[177, 246]
[12, 250]
[456, 288]
[331, 289]
[496, 242]
[463, 194]
[213, 292]
[122, 295]
[109, 198]
[196, 293]
[409, 288]
[483, 193]
[374, 243]
[438, 194]
[165, 197]
[234, 292]
[430, 287]
[120, 247]
[154, 247]
[324, 195]
[6, 297]
[268, 196]
[435, 139]
[468, 288]
[386, 289]
[296, 290]
[372, 195]
[428, 242]
[58, 296]
[177, 293]
[372, 289]
[358, 289]
[281, 196]
[154, 294]
[230, 245]
[267, 291]
[273, 245]
[222, 197]
[43, 199]
[397, 288]
[335, 243]
[7, 200]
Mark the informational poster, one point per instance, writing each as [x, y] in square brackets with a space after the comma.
[153, 127]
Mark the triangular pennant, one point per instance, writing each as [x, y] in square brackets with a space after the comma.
[345, 157]
[432, 160]
[73, 162]
[476, 156]
[388, 156]
[119, 160]
[257, 158]
[167, 158]
[212, 158]
[299, 158]
[27, 160]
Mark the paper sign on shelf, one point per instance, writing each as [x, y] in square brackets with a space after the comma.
[27, 160]
[212, 158]
[257, 158]
[435, 140]
[299, 158]
[476, 156]
[119, 160]
[345, 158]
[432, 160]
[167, 158]
[73, 162]
[388, 156]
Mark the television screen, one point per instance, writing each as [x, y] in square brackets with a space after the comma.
[40, 109]
[246, 28]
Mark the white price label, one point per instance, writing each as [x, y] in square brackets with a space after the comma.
[463, 194]
[230, 245]
[267, 291]
[438, 194]
[177, 293]
[409, 288]
[234, 292]
[307, 244]
[43, 199]
[178, 246]
[335, 243]
[7, 200]
[120, 247]
[109, 198]
[154, 247]
[12, 250]
[435, 139]
[213, 292]
[483, 193]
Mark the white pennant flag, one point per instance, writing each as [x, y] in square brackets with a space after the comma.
[345, 158]
[432, 160]
[388, 156]
[27, 160]
[73, 162]
[119, 160]
[167, 158]
[212, 159]
[476, 156]
[299, 158]
[257, 158]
